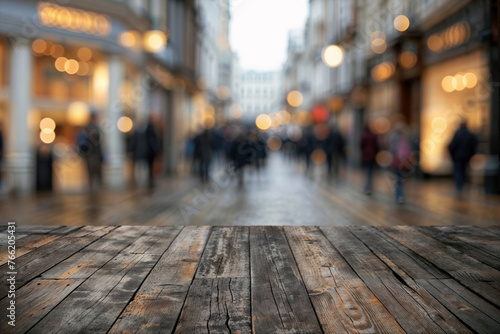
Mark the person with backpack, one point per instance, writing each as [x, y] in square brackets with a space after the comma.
[401, 158]
[462, 147]
[90, 148]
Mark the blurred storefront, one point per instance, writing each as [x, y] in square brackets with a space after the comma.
[456, 84]
[58, 63]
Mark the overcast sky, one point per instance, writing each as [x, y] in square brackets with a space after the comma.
[259, 30]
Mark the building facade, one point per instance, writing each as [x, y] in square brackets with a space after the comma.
[426, 63]
[58, 61]
[260, 93]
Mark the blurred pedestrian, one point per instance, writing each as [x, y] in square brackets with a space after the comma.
[1, 155]
[203, 152]
[144, 146]
[462, 147]
[89, 147]
[44, 162]
[335, 150]
[369, 148]
[241, 153]
[401, 161]
[259, 147]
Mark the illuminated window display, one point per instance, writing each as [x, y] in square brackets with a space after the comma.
[453, 90]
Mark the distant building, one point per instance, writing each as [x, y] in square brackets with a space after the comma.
[260, 93]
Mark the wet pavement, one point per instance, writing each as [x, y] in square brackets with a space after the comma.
[280, 194]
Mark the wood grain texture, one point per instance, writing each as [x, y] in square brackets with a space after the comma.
[414, 311]
[343, 303]
[159, 301]
[94, 305]
[35, 300]
[280, 303]
[470, 272]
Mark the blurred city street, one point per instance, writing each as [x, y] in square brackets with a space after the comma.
[249, 166]
[280, 194]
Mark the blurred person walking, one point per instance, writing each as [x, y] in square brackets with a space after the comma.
[241, 153]
[462, 147]
[90, 148]
[144, 146]
[203, 153]
[334, 146]
[401, 162]
[369, 149]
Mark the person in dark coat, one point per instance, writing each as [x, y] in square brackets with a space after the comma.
[89, 147]
[241, 154]
[44, 162]
[369, 148]
[335, 150]
[462, 147]
[203, 152]
[144, 146]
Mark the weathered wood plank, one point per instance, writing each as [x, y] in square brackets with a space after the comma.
[28, 244]
[227, 254]
[478, 314]
[400, 259]
[157, 304]
[466, 244]
[467, 270]
[35, 300]
[155, 241]
[415, 312]
[91, 258]
[280, 303]
[219, 298]
[343, 303]
[94, 305]
[33, 264]
[217, 306]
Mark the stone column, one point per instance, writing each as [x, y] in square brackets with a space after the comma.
[115, 150]
[19, 157]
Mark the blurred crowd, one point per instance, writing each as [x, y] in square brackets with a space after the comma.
[238, 147]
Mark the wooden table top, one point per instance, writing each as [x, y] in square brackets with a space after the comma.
[259, 279]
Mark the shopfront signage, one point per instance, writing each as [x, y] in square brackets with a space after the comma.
[73, 19]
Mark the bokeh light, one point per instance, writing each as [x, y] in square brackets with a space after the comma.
[56, 51]
[401, 23]
[263, 122]
[71, 66]
[209, 121]
[274, 143]
[447, 84]
[407, 59]
[47, 125]
[39, 46]
[471, 80]
[332, 55]
[47, 137]
[84, 54]
[285, 117]
[78, 113]
[384, 158]
[318, 156]
[223, 92]
[129, 39]
[60, 63]
[294, 98]
[125, 124]
[439, 124]
[154, 41]
[335, 103]
[459, 82]
[381, 125]
[236, 111]
[320, 113]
